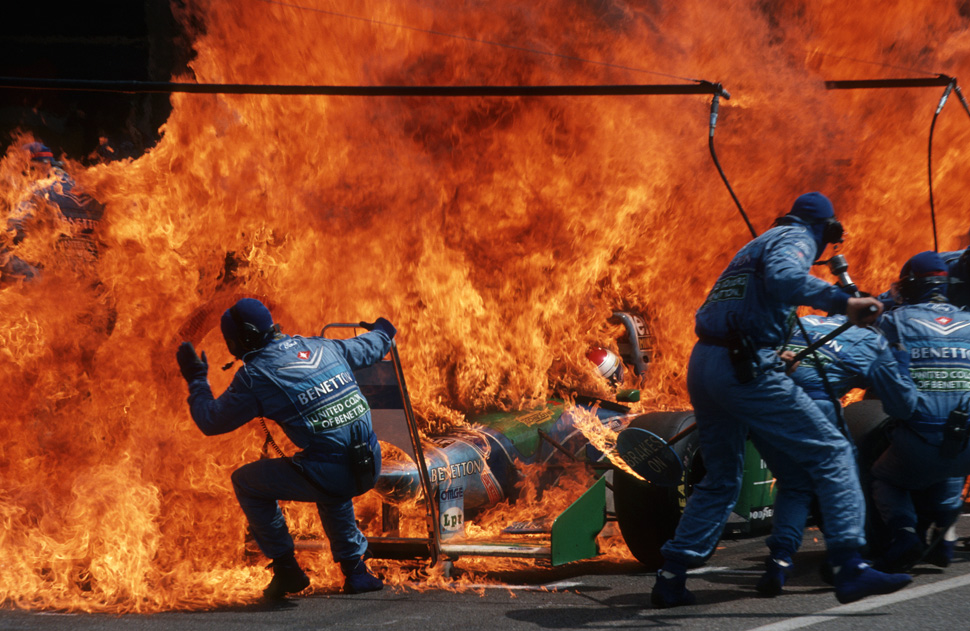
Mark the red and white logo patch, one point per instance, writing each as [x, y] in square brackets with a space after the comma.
[942, 325]
[303, 354]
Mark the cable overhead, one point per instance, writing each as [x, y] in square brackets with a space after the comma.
[141, 87]
[865, 84]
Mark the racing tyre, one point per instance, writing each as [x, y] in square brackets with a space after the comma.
[647, 514]
[870, 428]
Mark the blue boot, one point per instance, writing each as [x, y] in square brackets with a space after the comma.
[359, 579]
[773, 580]
[856, 580]
[941, 554]
[904, 551]
[670, 590]
[288, 578]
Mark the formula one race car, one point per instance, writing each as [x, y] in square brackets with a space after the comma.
[455, 479]
[461, 474]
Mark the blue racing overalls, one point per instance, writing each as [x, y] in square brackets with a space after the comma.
[858, 358]
[755, 297]
[82, 212]
[936, 337]
[307, 386]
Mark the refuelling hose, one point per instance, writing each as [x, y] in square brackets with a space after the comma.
[715, 104]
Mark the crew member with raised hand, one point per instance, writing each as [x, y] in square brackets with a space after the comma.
[307, 386]
[738, 386]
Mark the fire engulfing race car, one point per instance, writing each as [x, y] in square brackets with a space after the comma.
[561, 456]
[634, 469]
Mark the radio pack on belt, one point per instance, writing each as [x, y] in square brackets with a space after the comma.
[954, 434]
[362, 464]
[743, 356]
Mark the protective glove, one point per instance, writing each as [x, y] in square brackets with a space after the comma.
[190, 364]
[863, 311]
[381, 324]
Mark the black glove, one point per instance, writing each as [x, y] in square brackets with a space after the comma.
[189, 363]
[381, 324]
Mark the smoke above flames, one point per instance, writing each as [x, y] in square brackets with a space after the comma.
[498, 234]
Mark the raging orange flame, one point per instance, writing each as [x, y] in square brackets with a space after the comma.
[498, 234]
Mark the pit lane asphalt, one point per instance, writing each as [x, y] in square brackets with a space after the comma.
[586, 595]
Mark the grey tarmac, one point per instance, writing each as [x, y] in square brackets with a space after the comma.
[586, 595]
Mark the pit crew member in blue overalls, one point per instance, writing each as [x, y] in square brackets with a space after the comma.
[307, 386]
[54, 189]
[928, 458]
[738, 386]
[859, 357]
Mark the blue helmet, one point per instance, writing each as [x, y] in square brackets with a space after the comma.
[816, 210]
[922, 276]
[247, 326]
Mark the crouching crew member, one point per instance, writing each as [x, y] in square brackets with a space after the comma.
[307, 386]
[928, 457]
[738, 386]
[860, 357]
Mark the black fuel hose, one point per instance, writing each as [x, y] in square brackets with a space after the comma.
[715, 104]
[929, 158]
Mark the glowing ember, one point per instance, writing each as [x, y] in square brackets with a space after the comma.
[498, 234]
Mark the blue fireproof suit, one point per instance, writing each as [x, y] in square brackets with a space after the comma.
[305, 385]
[858, 358]
[82, 213]
[756, 295]
[936, 337]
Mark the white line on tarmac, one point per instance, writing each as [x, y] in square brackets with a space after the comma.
[547, 587]
[723, 570]
[868, 604]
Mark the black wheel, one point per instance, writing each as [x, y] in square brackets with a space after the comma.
[648, 514]
[870, 428]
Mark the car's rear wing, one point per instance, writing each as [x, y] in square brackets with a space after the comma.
[383, 385]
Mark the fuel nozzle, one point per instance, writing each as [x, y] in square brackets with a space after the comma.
[840, 269]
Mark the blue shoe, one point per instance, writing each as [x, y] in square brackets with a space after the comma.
[941, 554]
[670, 590]
[905, 550]
[288, 578]
[773, 580]
[856, 580]
[359, 579]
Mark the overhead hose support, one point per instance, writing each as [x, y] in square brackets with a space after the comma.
[715, 105]
[929, 157]
[963, 101]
